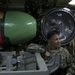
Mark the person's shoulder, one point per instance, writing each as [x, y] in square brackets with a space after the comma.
[64, 49]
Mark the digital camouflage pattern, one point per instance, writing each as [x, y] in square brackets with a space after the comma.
[35, 48]
[71, 69]
[65, 57]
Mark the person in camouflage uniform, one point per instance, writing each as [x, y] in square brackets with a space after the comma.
[65, 64]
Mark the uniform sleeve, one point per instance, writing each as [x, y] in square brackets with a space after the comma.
[70, 63]
[71, 69]
[35, 48]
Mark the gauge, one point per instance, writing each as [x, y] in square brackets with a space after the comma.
[13, 61]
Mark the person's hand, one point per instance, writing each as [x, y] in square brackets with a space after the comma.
[47, 54]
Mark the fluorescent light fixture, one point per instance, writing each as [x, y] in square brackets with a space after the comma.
[72, 2]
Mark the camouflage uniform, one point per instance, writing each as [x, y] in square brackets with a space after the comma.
[71, 69]
[65, 56]
[35, 48]
[65, 59]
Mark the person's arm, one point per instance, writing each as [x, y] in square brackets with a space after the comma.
[35, 48]
[71, 64]
[71, 69]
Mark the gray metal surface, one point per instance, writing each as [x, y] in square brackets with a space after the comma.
[41, 71]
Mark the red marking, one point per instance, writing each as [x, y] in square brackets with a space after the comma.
[1, 41]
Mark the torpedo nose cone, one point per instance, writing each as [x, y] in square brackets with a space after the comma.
[18, 27]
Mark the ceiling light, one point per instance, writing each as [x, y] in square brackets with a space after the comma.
[72, 2]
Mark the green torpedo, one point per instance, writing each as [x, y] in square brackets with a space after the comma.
[16, 27]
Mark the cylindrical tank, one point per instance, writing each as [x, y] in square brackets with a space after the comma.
[16, 27]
